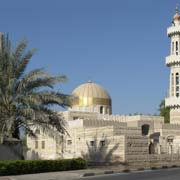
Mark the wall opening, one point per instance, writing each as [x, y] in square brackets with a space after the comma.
[145, 129]
[101, 110]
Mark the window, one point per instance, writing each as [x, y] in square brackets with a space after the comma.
[69, 142]
[145, 129]
[102, 143]
[177, 88]
[176, 46]
[36, 144]
[101, 109]
[172, 47]
[92, 143]
[172, 84]
[177, 94]
[43, 144]
[177, 78]
[172, 79]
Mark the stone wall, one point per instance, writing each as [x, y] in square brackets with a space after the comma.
[44, 147]
[11, 152]
[98, 144]
[170, 130]
[72, 115]
[135, 146]
[153, 160]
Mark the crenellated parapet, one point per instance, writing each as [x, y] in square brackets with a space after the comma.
[173, 30]
[172, 102]
[173, 60]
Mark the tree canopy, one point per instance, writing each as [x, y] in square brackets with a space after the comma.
[164, 111]
[26, 99]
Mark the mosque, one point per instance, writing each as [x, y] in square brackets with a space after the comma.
[97, 135]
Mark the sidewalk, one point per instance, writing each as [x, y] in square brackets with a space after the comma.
[66, 175]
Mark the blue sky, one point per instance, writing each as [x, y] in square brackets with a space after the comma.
[120, 44]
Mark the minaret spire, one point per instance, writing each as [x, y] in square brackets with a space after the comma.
[177, 9]
[176, 18]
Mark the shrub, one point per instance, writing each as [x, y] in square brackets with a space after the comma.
[15, 167]
[164, 167]
[140, 169]
[126, 170]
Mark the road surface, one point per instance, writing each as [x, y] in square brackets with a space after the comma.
[164, 174]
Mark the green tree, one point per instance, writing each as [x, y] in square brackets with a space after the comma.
[164, 111]
[27, 99]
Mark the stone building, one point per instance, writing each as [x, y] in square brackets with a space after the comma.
[99, 136]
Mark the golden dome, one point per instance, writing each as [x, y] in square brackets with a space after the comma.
[89, 94]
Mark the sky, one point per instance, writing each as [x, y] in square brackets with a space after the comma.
[119, 44]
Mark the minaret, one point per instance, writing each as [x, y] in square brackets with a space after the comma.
[173, 62]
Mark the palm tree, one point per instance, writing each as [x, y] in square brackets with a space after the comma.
[27, 99]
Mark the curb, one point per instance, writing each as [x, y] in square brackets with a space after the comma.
[105, 173]
[129, 171]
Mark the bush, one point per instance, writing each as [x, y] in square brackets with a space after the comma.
[164, 167]
[126, 170]
[13, 167]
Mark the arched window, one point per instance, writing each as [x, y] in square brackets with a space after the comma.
[101, 110]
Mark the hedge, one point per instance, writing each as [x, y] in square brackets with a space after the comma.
[17, 167]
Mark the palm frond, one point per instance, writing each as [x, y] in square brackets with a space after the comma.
[25, 101]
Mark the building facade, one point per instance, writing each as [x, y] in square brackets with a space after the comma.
[99, 136]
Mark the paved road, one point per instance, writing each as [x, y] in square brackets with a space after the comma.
[165, 174]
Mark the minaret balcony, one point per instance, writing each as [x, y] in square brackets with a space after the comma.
[172, 60]
[172, 102]
[173, 30]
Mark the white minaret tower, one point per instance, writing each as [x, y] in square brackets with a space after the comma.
[173, 62]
